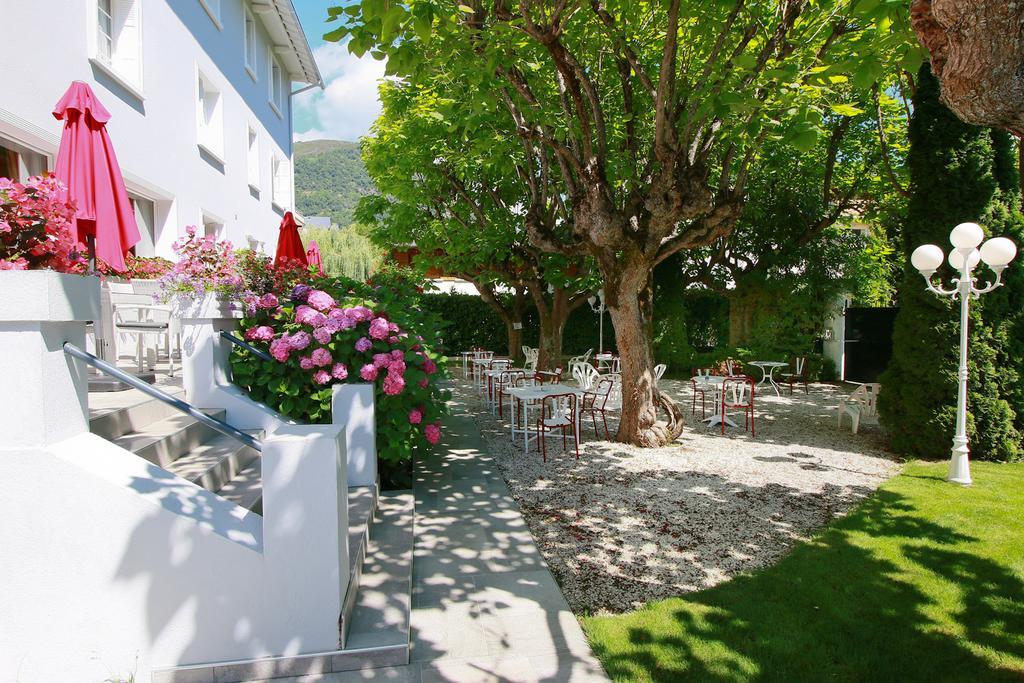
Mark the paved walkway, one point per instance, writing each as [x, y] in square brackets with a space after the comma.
[485, 606]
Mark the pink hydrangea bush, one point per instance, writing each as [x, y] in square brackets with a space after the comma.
[321, 334]
[36, 226]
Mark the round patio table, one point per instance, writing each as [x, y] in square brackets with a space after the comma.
[767, 371]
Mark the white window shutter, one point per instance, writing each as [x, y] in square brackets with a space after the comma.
[127, 58]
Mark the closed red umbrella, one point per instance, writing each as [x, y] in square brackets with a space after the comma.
[289, 244]
[87, 165]
[314, 257]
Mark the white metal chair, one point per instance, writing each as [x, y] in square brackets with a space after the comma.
[862, 402]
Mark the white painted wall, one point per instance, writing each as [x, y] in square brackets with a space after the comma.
[112, 566]
[45, 45]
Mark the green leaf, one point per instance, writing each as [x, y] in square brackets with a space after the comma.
[846, 110]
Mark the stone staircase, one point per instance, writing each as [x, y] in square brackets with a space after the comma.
[374, 626]
[183, 446]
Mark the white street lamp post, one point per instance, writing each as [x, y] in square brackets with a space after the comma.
[598, 308]
[997, 254]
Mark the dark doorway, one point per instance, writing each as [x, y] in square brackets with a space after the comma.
[868, 344]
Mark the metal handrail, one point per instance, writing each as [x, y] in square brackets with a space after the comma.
[238, 341]
[176, 403]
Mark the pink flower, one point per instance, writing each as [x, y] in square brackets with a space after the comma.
[359, 313]
[392, 327]
[363, 345]
[347, 323]
[304, 315]
[339, 371]
[299, 341]
[261, 333]
[280, 349]
[322, 377]
[433, 433]
[306, 363]
[415, 416]
[320, 300]
[423, 383]
[321, 357]
[322, 335]
[392, 339]
[267, 301]
[397, 354]
[379, 328]
[393, 384]
[333, 325]
[368, 372]
[429, 366]
[397, 367]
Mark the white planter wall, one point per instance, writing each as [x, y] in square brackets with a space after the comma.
[112, 566]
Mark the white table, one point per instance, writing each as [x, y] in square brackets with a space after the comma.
[478, 366]
[716, 382]
[767, 369]
[605, 362]
[491, 375]
[524, 396]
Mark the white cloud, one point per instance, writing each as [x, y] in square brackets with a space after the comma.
[348, 104]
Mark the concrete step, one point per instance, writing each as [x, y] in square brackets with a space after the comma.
[215, 463]
[380, 625]
[116, 422]
[380, 622]
[246, 488]
[165, 441]
[362, 504]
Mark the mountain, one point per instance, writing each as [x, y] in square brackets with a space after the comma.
[329, 179]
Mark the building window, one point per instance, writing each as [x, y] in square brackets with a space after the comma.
[277, 85]
[105, 38]
[117, 42]
[212, 8]
[250, 43]
[20, 163]
[253, 159]
[212, 227]
[281, 181]
[210, 117]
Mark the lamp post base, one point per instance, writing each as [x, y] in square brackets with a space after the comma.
[959, 463]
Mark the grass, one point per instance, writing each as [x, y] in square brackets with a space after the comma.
[922, 582]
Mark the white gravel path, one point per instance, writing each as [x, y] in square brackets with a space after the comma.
[623, 525]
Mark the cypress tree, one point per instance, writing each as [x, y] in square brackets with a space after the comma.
[952, 180]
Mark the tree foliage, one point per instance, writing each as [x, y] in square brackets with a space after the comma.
[649, 115]
[952, 181]
[347, 252]
[329, 179]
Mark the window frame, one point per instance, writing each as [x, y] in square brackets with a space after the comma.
[252, 157]
[250, 44]
[275, 80]
[107, 63]
[204, 126]
[213, 9]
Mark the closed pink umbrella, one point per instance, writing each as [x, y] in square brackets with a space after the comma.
[86, 164]
[314, 257]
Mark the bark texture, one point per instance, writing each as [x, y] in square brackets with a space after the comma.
[977, 53]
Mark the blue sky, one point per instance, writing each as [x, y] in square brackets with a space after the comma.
[348, 104]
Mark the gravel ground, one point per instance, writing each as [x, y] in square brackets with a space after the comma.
[623, 526]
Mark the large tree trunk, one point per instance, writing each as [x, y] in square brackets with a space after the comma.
[977, 53]
[630, 299]
[553, 310]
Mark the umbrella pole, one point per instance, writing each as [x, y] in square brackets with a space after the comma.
[90, 243]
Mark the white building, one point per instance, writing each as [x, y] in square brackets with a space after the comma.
[199, 93]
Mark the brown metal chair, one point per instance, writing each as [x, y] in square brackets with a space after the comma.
[558, 412]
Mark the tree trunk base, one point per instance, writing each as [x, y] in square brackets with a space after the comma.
[654, 433]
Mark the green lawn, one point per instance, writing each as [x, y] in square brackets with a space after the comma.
[923, 582]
